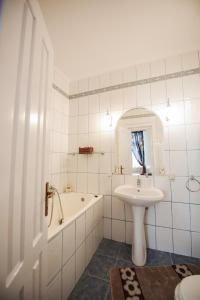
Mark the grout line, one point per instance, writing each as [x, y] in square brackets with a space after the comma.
[171, 257]
[54, 277]
[111, 207]
[99, 278]
[188, 167]
[154, 225]
[107, 292]
[178, 100]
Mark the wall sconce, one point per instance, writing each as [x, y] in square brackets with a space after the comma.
[168, 111]
[106, 121]
[108, 118]
[34, 118]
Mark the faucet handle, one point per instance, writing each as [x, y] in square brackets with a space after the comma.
[121, 169]
[138, 182]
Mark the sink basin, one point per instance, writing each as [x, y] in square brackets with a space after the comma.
[139, 199]
[139, 196]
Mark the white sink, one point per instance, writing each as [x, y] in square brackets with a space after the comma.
[139, 199]
[139, 196]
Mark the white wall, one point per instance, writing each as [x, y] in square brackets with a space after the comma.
[91, 36]
[58, 124]
[173, 225]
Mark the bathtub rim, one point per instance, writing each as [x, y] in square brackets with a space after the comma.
[59, 228]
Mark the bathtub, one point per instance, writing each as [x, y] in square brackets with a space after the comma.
[72, 244]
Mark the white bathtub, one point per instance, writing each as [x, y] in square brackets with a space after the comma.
[72, 244]
[73, 204]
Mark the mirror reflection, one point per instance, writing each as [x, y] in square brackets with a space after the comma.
[139, 137]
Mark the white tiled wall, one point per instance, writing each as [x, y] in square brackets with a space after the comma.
[58, 124]
[174, 224]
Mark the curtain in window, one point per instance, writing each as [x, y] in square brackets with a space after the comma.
[138, 148]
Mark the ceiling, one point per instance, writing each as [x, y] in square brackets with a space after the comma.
[95, 36]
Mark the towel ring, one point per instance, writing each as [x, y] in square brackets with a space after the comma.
[192, 178]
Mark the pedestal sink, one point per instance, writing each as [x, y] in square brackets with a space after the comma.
[139, 198]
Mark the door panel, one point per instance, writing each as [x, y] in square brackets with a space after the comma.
[19, 145]
[26, 60]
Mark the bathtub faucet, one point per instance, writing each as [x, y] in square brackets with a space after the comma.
[50, 192]
[61, 221]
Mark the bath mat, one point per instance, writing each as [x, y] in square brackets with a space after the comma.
[148, 283]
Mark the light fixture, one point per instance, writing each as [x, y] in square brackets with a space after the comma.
[109, 118]
[33, 118]
[107, 121]
[168, 111]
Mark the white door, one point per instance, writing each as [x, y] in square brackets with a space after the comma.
[26, 63]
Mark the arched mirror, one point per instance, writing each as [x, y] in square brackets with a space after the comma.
[139, 143]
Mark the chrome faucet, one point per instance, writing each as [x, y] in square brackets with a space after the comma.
[138, 182]
[121, 169]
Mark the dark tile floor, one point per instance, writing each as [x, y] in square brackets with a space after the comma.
[94, 283]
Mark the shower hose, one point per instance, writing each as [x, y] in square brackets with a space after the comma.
[52, 207]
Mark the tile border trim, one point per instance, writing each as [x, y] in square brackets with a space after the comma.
[132, 83]
[57, 88]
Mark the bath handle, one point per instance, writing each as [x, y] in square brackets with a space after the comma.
[48, 194]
